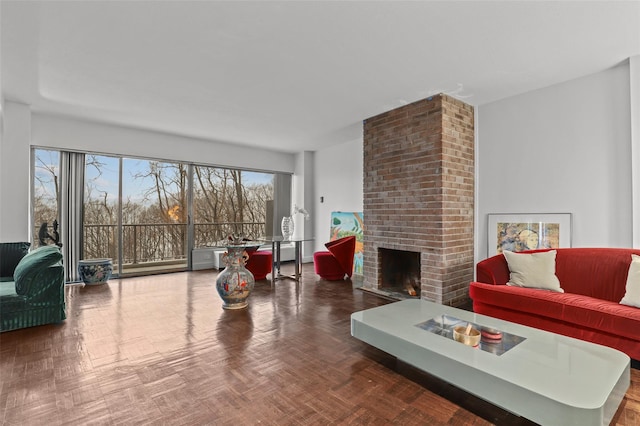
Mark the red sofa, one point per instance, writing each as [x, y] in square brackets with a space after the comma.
[594, 282]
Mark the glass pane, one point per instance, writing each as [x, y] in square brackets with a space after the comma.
[258, 199]
[101, 208]
[154, 216]
[229, 201]
[45, 194]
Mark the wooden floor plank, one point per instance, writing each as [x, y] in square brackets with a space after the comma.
[161, 350]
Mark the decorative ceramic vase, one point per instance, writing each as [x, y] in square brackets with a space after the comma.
[95, 271]
[235, 282]
[287, 227]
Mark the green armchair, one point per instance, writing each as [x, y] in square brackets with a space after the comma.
[34, 293]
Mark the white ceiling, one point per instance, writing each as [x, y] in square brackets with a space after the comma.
[295, 76]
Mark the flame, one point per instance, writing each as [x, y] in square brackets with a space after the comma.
[173, 212]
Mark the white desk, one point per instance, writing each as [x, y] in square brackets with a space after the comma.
[547, 378]
[275, 249]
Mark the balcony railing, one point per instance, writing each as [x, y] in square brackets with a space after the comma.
[159, 244]
[158, 241]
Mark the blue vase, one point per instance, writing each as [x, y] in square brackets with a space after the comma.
[95, 271]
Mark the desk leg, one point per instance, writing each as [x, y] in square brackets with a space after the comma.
[275, 250]
[298, 259]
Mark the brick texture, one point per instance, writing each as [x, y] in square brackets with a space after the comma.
[419, 193]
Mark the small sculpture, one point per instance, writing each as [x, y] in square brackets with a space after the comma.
[43, 234]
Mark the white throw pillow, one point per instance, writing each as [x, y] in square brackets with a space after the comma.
[533, 270]
[632, 295]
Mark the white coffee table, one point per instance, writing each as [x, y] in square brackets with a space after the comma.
[547, 378]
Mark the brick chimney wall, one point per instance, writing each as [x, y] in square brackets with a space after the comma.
[419, 193]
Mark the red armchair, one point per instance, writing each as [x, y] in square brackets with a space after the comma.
[259, 263]
[334, 264]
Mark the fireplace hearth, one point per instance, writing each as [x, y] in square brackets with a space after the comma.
[399, 272]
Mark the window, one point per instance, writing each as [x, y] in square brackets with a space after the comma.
[136, 211]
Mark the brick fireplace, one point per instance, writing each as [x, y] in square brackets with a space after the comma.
[419, 196]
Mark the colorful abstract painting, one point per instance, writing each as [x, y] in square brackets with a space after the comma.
[344, 224]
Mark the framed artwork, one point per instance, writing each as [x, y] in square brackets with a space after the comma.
[344, 224]
[527, 231]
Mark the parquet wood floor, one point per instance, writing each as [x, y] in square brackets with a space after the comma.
[161, 350]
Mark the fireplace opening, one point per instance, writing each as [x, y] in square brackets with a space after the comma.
[400, 272]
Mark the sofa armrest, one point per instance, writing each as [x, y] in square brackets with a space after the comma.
[48, 286]
[493, 270]
[32, 268]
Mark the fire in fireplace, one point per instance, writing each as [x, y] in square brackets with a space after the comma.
[399, 272]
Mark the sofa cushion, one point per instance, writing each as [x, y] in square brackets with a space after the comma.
[529, 300]
[533, 270]
[583, 312]
[7, 289]
[10, 256]
[10, 301]
[595, 272]
[602, 315]
[30, 265]
[632, 289]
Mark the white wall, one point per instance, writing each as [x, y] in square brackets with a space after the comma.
[561, 149]
[564, 148]
[634, 79]
[14, 173]
[77, 135]
[22, 129]
[338, 178]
